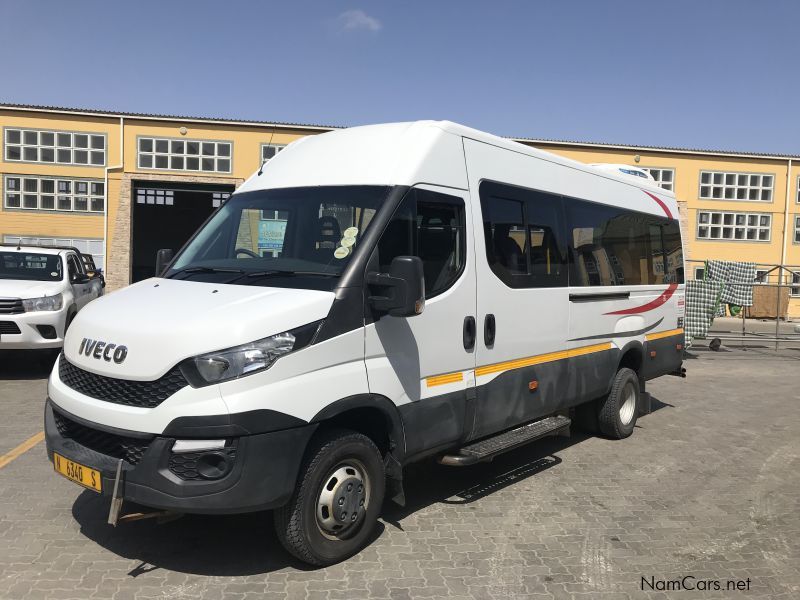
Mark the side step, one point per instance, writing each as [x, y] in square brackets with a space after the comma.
[488, 448]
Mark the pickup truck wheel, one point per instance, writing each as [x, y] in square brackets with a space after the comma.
[334, 509]
[618, 410]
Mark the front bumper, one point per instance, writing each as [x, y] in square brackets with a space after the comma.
[30, 336]
[263, 474]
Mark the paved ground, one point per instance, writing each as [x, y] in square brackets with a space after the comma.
[708, 487]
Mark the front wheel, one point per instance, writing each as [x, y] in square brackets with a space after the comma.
[618, 410]
[334, 509]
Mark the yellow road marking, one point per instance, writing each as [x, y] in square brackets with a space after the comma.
[21, 449]
[663, 334]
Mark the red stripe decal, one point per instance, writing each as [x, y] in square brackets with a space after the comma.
[662, 299]
[660, 203]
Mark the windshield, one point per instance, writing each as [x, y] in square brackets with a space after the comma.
[29, 266]
[293, 237]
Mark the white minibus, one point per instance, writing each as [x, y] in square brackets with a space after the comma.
[371, 297]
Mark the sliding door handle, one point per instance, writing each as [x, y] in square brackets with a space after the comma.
[469, 333]
[489, 330]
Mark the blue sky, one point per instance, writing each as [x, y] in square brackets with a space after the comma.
[697, 73]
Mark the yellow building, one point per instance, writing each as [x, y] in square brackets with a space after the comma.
[121, 185]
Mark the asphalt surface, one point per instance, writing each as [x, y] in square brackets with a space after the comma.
[707, 489]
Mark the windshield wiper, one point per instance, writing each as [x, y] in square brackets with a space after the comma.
[192, 270]
[279, 272]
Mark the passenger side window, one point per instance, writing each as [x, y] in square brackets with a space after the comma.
[72, 266]
[614, 246]
[523, 235]
[429, 225]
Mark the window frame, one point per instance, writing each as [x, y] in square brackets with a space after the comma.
[671, 187]
[373, 264]
[794, 285]
[662, 221]
[796, 238]
[526, 280]
[701, 270]
[733, 226]
[735, 186]
[278, 149]
[56, 194]
[55, 147]
[184, 155]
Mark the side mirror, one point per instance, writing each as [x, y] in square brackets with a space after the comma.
[163, 258]
[401, 291]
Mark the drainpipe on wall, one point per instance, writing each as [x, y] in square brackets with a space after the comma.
[786, 228]
[105, 211]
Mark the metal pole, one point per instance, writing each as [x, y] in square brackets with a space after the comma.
[778, 309]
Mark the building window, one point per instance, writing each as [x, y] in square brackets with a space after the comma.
[797, 230]
[798, 188]
[153, 196]
[715, 185]
[46, 193]
[664, 177]
[58, 147]
[219, 198]
[714, 225]
[95, 247]
[184, 155]
[762, 276]
[269, 151]
[699, 273]
[795, 289]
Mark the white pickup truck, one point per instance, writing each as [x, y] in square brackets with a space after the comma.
[41, 290]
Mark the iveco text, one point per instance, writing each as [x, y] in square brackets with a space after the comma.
[371, 297]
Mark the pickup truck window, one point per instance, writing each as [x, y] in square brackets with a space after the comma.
[29, 266]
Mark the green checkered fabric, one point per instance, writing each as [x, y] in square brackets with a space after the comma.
[702, 299]
[738, 278]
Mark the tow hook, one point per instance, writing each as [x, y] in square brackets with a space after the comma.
[162, 516]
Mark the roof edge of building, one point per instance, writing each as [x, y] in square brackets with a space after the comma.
[316, 127]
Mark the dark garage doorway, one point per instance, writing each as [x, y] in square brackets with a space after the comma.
[166, 215]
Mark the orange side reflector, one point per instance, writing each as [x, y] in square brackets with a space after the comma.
[652, 354]
[533, 385]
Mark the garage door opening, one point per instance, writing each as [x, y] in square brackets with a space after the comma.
[166, 215]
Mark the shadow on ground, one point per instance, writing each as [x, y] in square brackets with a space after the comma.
[239, 545]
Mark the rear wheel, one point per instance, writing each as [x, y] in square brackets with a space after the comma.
[335, 506]
[618, 410]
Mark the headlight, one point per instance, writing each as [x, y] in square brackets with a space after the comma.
[232, 363]
[43, 303]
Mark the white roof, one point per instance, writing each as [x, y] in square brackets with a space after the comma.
[393, 154]
[34, 249]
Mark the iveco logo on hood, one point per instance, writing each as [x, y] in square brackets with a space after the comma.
[108, 352]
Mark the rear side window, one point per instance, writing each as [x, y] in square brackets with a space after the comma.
[614, 246]
[429, 225]
[523, 235]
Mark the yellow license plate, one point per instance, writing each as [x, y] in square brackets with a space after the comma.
[78, 473]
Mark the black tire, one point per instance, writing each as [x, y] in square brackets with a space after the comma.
[298, 525]
[616, 417]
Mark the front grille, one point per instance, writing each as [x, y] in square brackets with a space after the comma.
[11, 306]
[144, 394]
[184, 464]
[9, 328]
[116, 446]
